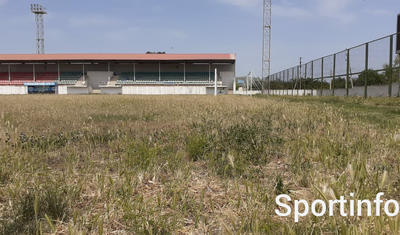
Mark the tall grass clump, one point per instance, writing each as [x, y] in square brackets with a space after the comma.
[37, 210]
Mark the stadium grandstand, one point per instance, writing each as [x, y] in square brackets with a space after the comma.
[142, 74]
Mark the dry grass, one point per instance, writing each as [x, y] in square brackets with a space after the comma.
[187, 164]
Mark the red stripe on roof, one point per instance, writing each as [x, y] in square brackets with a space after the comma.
[78, 57]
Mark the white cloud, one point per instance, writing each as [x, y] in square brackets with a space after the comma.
[241, 3]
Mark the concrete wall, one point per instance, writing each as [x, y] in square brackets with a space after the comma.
[164, 90]
[62, 90]
[78, 90]
[220, 90]
[295, 92]
[226, 74]
[243, 92]
[373, 91]
[111, 90]
[13, 90]
[96, 78]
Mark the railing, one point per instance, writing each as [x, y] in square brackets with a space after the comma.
[369, 69]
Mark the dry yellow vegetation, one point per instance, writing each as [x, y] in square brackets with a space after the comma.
[191, 164]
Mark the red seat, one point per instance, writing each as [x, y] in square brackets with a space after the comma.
[15, 82]
[21, 76]
[46, 76]
[3, 76]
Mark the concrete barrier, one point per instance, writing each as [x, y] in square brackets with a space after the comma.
[373, 91]
[164, 90]
[111, 90]
[13, 90]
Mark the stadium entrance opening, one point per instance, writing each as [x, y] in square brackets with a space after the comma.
[41, 88]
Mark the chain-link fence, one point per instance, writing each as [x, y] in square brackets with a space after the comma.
[370, 69]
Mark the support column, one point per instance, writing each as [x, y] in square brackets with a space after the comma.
[234, 85]
[58, 71]
[34, 73]
[134, 72]
[209, 72]
[9, 72]
[184, 72]
[83, 72]
[108, 69]
[159, 71]
[215, 78]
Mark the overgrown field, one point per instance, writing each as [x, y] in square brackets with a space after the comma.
[200, 164]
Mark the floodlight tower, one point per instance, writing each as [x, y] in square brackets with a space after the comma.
[39, 11]
[266, 57]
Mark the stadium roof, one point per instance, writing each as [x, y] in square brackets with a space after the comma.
[116, 57]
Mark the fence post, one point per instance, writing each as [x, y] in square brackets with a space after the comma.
[301, 85]
[322, 76]
[391, 66]
[293, 79]
[305, 79]
[312, 78]
[298, 80]
[347, 72]
[366, 71]
[334, 75]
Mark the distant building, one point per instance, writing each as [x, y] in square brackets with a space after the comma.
[135, 74]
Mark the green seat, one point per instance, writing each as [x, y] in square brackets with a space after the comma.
[70, 75]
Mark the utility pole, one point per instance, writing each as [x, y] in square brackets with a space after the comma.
[39, 11]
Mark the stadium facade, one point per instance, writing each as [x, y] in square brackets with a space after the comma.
[141, 74]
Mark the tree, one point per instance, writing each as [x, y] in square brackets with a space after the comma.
[373, 78]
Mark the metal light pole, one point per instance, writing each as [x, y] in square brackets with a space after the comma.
[39, 11]
[266, 56]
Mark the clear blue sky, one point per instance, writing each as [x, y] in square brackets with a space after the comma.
[307, 28]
